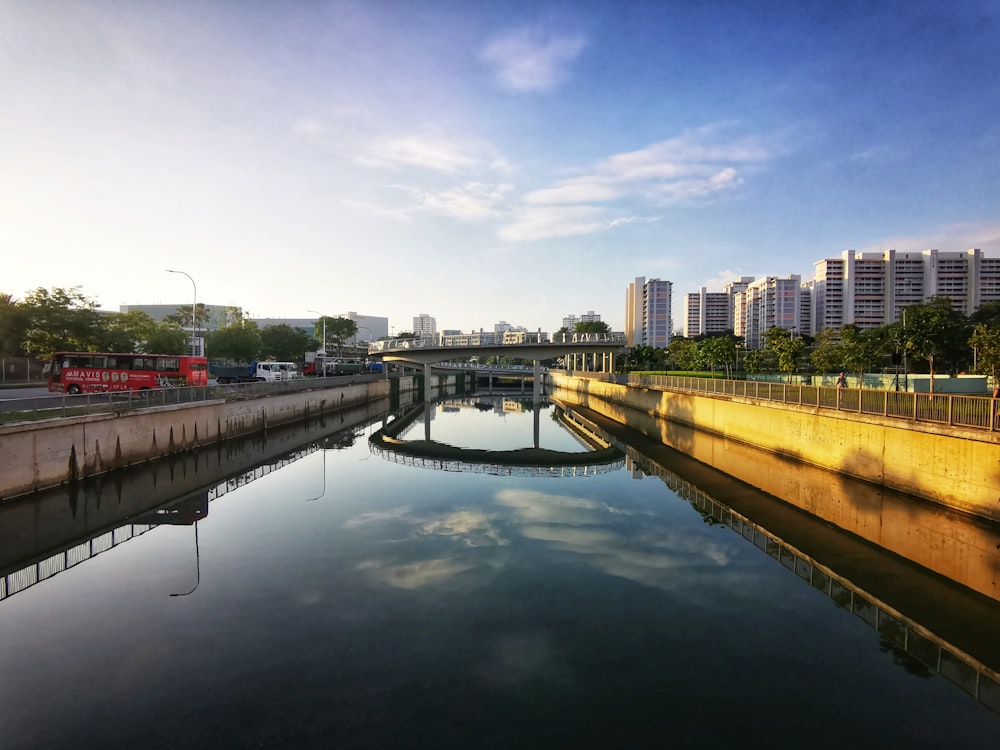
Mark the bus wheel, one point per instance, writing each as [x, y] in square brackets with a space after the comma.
[73, 390]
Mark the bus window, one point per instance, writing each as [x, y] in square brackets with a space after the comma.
[168, 364]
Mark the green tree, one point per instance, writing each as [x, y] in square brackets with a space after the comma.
[780, 341]
[933, 330]
[640, 357]
[756, 361]
[128, 332]
[986, 340]
[862, 349]
[61, 320]
[167, 338]
[339, 331]
[718, 351]
[988, 313]
[592, 326]
[240, 342]
[286, 344]
[183, 316]
[828, 356]
[14, 325]
[683, 354]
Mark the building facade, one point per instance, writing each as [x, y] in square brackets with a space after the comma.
[648, 319]
[870, 290]
[707, 313]
[424, 326]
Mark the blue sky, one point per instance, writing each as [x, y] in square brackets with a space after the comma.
[484, 161]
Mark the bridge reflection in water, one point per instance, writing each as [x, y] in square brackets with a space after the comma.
[598, 456]
[948, 626]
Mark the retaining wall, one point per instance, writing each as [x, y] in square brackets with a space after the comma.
[47, 453]
[955, 467]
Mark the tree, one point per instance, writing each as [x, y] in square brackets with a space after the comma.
[933, 329]
[240, 342]
[14, 324]
[986, 340]
[128, 332]
[61, 320]
[780, 341]
[183, 316]
[167, 338]
[756, 360]
[339, 330]
[828, 356]
[284, 343]
[683, 354]
[592, 326]
[862, 349]
[988, 313]
[640, 357]
[718, 351]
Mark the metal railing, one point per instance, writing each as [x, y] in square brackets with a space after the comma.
[490, 340]
[977, 412]
[56, 406]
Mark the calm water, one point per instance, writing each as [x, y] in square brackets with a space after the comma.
[352, 598]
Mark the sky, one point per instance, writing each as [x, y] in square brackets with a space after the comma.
[484, 161]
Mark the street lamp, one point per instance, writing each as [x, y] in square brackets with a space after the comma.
[362, 328]
[194, 312]
[323, 318]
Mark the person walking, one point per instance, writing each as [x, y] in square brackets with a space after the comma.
[842, 381]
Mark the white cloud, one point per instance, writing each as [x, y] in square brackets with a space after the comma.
[984, 235]
[694, 167]
[555, 221]
[470, 202]
[531, 59]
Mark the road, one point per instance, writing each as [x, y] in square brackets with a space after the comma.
[26, 399]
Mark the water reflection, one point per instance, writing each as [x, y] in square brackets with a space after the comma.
[456, 608]
[597, 456]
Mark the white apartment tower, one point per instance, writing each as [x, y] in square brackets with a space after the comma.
[871, 289]
[707, 312]
[424, 326]
[648, 320]
[768, 302]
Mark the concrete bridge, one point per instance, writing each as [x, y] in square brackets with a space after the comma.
[593, 352]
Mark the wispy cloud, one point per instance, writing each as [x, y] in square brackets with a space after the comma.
[472, 201]
[532, 59]
[984, 235]
[694, 167]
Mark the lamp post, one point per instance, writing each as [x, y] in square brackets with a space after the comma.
[194, 312]
[323, 318]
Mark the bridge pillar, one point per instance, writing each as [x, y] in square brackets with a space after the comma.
[428, 393]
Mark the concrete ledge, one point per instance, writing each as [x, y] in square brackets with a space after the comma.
[954, 467]
[39, 455]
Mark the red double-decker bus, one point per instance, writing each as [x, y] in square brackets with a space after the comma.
[90, 372]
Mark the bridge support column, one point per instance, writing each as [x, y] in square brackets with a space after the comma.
[428, 391]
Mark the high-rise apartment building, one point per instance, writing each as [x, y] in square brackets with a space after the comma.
[424, 326]
[769, 302]
[707, 312]
[648, 320]
[871, 289]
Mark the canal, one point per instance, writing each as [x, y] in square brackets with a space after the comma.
[488, 572]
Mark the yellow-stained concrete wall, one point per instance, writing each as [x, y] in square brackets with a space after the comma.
[46, 453]
[955, 467]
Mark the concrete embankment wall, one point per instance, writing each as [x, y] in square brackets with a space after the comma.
[47, 453]
[954, 467]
